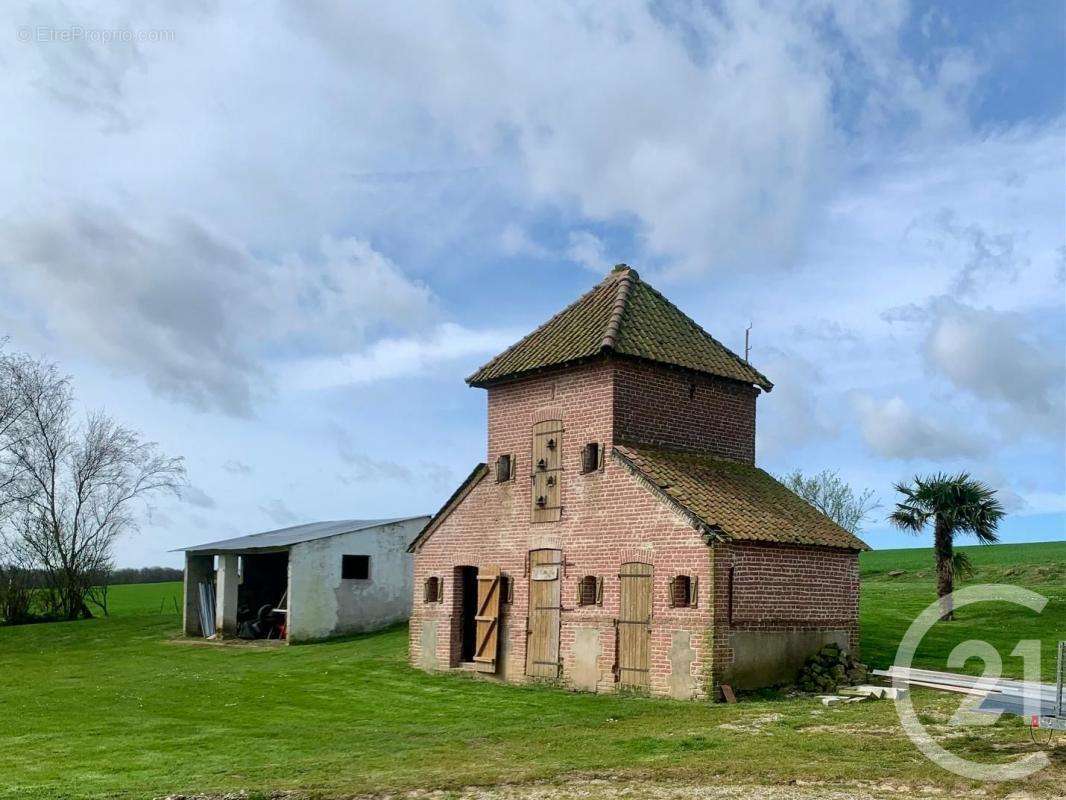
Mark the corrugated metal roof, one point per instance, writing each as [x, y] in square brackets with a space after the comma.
[284, 537]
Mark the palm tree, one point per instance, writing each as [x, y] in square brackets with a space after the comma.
[955, 504]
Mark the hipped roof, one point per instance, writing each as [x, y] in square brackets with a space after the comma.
[622, 315]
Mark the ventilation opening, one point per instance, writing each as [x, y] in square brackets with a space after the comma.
[467, 585]
[432, 590]
[504, 469]
[681, 591]
[588, 590]
[590, 457]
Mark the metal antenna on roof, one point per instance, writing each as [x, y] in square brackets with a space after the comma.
[747, 342]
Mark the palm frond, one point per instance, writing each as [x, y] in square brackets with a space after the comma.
[961, 566]
[960, 502]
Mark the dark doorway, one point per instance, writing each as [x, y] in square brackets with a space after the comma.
[468, 617]
[264, 587]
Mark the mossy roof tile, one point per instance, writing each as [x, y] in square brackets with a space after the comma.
[625, 316]
[740, 500]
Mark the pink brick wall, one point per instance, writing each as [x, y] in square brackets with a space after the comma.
[781, 588]
[609, 517]
[684, 411]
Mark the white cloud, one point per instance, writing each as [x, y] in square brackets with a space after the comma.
[195, 496]
[279, 512]
[393, 358]
[587, 249]
[516, 241]
[892, 429]
[1000, 357]
[635, 114]
[196, 313]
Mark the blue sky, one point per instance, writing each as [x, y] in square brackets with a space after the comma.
[275, 238]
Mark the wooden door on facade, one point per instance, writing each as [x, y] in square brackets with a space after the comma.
[487, 640]
[634, 624]
[545, 595]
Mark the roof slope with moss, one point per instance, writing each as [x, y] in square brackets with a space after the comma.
[624, 316]
[738, 501]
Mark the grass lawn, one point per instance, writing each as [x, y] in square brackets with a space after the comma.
[119, 708]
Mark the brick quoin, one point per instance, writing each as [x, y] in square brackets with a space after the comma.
[610, 517]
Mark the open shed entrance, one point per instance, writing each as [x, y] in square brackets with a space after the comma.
[262, 597]
[467, 582]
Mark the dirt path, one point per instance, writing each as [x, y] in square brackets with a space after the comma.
[611, 789]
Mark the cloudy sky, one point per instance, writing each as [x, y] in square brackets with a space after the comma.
[275, 237]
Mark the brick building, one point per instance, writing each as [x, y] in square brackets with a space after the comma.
[620, 534]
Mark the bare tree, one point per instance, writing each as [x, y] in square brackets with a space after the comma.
[829, 493]
[74, 487]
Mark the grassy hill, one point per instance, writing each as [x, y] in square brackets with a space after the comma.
[122, 708]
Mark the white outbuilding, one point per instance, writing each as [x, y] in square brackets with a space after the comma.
[302, 583]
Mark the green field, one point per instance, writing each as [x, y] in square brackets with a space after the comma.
[120, 707]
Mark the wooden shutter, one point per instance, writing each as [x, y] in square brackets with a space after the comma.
[599, 590]
[487, 636]
[693, 591]
[503, 469]
[586, 590]
[547, 471]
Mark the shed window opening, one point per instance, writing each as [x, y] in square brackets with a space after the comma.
[432, 590]
[683, 591]
[355, 568]
[590, 591]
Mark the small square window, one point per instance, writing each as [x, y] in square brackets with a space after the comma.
[590, 591]
[683, 592]
[355, 568]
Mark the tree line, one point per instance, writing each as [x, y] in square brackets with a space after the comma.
[71, 484]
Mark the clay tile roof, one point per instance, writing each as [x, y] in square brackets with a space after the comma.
[739, 501]
[625, 316]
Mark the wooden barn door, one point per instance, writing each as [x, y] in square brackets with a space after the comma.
[545, 595]
[487, 635]
[634, 624]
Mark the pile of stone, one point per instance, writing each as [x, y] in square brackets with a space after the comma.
[830, 668]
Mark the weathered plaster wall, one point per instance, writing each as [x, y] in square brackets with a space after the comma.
[227, 580]
[322, 604]
[198, 569]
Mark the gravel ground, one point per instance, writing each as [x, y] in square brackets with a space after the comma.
[610, 789]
